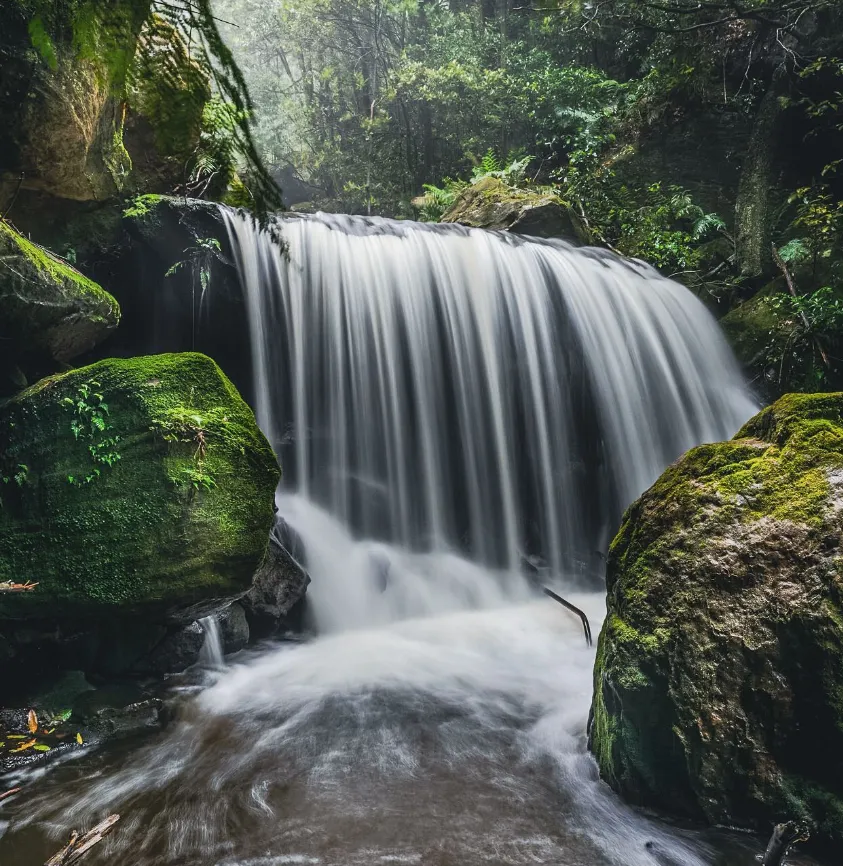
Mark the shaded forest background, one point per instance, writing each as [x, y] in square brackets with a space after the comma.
[703, 137]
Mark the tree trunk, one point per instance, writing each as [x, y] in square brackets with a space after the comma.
[752, 217]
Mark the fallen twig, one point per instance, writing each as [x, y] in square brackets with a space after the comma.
[78, 845]
[9, 586]
[585, 623]
[784, 836]
[9, 793]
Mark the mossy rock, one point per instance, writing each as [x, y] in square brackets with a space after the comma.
[47, 306]
[491, 204]
[719, 673]
[132, 485]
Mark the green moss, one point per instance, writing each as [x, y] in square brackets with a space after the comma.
[47, 308]
[55, 269]
[133, 537]
[142, 206]
[718, 672]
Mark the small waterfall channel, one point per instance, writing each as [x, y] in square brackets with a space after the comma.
[448, 405]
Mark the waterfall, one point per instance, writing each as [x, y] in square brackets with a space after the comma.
[446, 388]
[445, 403]
[211, 653]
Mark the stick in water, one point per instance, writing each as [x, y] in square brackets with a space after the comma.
[586, 627]
[78, 845]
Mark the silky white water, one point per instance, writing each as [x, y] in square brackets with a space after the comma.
[450, 388]
[211, 653]
[447, 403]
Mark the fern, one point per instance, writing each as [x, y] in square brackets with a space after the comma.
[795, 251]
[706, 225]
[489, 165]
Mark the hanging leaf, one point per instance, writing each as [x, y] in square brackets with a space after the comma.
[32, 722]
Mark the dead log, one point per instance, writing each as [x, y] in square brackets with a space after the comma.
[78, 845]
[783, 838]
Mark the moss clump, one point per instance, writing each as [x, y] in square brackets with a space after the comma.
[492, 204]
[142, 206]
[45, 304]
[139, 529]
[719, 675]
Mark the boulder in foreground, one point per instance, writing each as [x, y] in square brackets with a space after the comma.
[719, 674]
[132, 485]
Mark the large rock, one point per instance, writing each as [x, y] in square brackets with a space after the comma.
[719, 674]
[46, 306]
[491, 204]
[140, 485]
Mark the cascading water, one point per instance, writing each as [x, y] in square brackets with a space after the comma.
[450, 388]
[445, 402]
[211, 653]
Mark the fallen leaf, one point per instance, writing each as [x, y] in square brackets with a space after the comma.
[79, 739]
[47, 730]
[41, 747]
[32, 722]
[16, 736]
[28, 744]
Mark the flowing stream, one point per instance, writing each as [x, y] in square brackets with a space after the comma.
[456, 412]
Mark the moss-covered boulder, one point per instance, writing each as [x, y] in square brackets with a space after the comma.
[132, 485]
[46, 306]
[719, 674]
[491, 204]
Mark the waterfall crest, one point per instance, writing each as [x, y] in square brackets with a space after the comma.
[450, 388]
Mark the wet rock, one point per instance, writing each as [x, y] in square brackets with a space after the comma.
[234, 628]
[720, 664]
[279, 583]
[177, 651]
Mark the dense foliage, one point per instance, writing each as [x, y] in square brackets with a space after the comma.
[698, 136]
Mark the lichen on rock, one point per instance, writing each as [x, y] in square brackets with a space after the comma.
[719, 675]
[147, 487]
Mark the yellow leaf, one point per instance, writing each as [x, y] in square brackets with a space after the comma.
[28, 744]
[79, 739]
[32, 722]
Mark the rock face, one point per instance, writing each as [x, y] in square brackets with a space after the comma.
[491, 204]
[719, 674]
[46, 306]
[139, 485]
